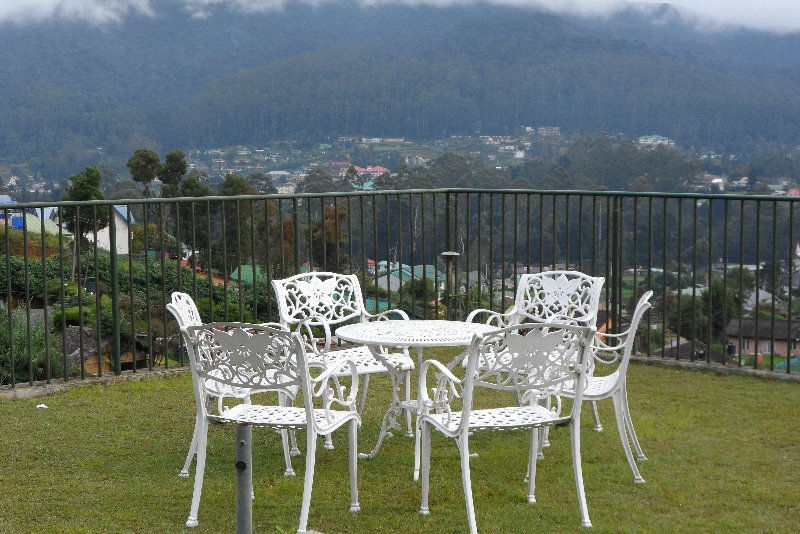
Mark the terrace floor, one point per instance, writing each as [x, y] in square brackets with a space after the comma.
[724, 455]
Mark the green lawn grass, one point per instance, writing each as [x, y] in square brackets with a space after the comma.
[724, 455]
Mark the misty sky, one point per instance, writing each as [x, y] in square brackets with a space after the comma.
[772, 15]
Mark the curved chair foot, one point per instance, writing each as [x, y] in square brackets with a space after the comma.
[295, 452]
[531, 499]
[638, 480]
[587, 524]
[288, 473]
[540, 456]
[641, 458]
[354, 509]
[184, 474]
[191, 522]
[425, 511]
[598, 428]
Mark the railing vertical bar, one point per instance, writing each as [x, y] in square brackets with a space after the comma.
[97, 302]
[607, 262]
[175, 208]
[9, 302]
[664, 276]
[268, 254]
[77, 259]
[614, 240]
[694, 277]
[48, 370]
[412, 238]
[296, 234]
[541, 233]
[758, 281]
[580, 234]
[726, 212]
[422, 251]
[162, 259]
[435, 255]
[209, 271]
[61, 290]
[650, 266]
[467, 252]
[336, 232]
[253, 252]
[491, 252]
[635, 236]
[239, 258]
[374, 200]
[27, 298]
[350, 234]
[455, 248]
[566, 231]
[130, 286]
[400, 256]
[195, 259]
[789, 332]
[224, 232]
[741, 280]
[388, 254]
[528, 233]
[503, 247]
[774, 284]
[363, 240]
[515, 244]
[115, 341]
[680, 281]
[323, 231]
[710, 292]
[281, 237]
[789, 336]
[479, 266]
[553, 243]
[594, 236]
[310, 231]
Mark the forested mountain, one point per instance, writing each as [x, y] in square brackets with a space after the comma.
[306, 72]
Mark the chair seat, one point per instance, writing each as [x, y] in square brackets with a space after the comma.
[597, 387]
[366, 362]
[507, 418]
[289, 417]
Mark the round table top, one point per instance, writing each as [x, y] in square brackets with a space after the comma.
[413, 333]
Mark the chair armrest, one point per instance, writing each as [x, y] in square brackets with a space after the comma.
[445, 390]
[496, 318]
[310, 340]
[384, 316]
[330, 389]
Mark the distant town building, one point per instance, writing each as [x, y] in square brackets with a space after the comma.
[549, 131]
[655, 140]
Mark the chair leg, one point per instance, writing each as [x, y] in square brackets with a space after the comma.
[532, 454]
[287, 455]
[295, 451]
[198, 425]
[311, 452]
[465, 479]
[417, 450]
[639, 454]
[353, 456]
[598, 427]
[409, 428]
[362, 395]
[329, 441]
[424, 431]
[623, 436]
[199, 472]
[575, 436]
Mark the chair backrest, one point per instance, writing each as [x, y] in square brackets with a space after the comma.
[332, 297]
[243, 357]
[184, 309]
[558, 296]
[535, 360]
[621, 352]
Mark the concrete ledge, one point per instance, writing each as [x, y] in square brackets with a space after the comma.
[718, 368]
[42, 389]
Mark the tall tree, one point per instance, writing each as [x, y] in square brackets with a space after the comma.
[144, 166]
[238, 216]
[171, 173]
[84, 219]
[196, 217]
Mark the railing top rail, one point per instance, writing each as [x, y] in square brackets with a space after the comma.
[134, 201]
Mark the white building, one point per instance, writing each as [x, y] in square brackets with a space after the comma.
[120, 214]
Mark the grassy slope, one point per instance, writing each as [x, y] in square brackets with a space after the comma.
[724, 454]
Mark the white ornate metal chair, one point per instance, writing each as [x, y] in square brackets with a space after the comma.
[615, 349]
[325, 300]
[534, 360]
[259, 358]
[183, 307]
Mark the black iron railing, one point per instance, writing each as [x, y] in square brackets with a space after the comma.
[81, 301]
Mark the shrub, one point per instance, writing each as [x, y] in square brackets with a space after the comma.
[22, 343]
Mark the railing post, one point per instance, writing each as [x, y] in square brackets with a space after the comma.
[115, 347]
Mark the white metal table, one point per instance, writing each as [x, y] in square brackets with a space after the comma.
[419, 334]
